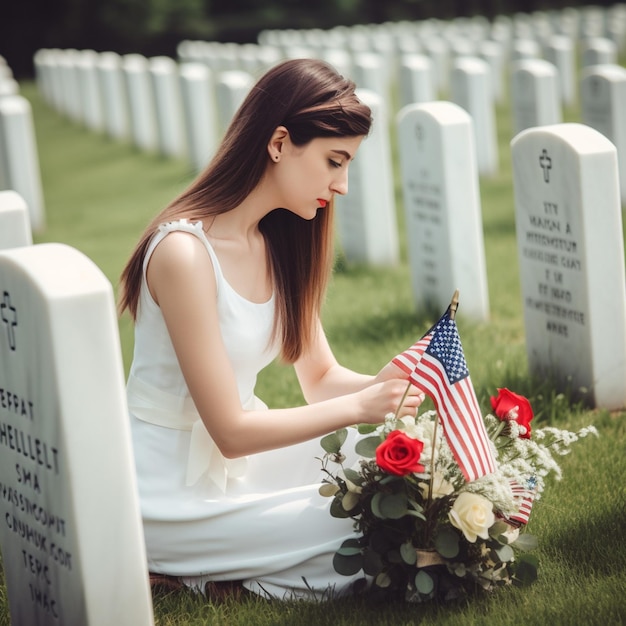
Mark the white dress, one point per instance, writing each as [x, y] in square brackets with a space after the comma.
[259, 519]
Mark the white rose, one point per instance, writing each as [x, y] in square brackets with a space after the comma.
[472, 515]
[441, 487]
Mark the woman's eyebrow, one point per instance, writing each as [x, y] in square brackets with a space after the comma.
[343, 153]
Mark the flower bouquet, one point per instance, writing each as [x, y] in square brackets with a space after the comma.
[432, 525]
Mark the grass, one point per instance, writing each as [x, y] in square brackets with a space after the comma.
[99, 195]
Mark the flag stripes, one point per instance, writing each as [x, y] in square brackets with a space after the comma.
[526, 498]
[436, 365]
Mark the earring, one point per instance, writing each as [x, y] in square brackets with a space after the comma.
[276, 157]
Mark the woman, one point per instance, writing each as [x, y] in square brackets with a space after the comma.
[229, 276]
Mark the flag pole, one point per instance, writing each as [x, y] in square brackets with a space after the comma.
[454, 305]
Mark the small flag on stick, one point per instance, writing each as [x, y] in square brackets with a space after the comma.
[525, 496]
[436, 365]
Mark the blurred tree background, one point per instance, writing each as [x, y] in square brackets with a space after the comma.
[152, 27]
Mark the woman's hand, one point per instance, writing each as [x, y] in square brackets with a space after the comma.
[382, 398]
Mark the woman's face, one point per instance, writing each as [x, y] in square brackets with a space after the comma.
[309, 176]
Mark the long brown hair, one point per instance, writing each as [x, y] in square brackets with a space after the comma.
[311, 100]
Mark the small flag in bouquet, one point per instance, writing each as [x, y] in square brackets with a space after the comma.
[436, 365]
[526, 496]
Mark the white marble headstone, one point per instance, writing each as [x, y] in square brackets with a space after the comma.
[571, 257]
[89, 89]
[114, 97]
[141, 102]
[14, 221]
[71, 535]
[603, 107]
[442, 207]
[535, 94]
[560, 51]
[199, 113]
[470, 88]
[416, 82]
[19, 160]
[231, 88]
[168, 106]
[366, 216]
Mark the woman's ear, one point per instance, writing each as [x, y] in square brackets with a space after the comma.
[277, 142]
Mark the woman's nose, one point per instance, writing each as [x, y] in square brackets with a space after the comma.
[340, 184]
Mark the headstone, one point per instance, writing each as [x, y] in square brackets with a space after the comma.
[415, 81]
[71, 535]
[72, 104]
[199, 113]
[439, 52]
[560, 51]
[598, 51]
[470, 88]
[442, 207]
[89, 88]
[493, 53]
[141, 104]
[571, 257]
[19, 161]
[603, 104]
[168, 106]
[114, 97]
[366, 216]
[14, 221]
[370, 73]
[230, 89]
[535, 94]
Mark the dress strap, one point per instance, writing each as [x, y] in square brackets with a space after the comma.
[183, 225]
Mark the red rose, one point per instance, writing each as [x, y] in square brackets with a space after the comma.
[511, 406]
[399, 454]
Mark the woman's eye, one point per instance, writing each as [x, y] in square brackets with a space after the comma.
[334, 163]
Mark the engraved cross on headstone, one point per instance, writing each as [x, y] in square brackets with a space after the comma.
[9, 317]
[546, 164]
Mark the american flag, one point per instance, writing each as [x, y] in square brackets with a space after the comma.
[436, 365]
[525, 495]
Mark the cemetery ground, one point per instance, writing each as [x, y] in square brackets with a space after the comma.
[100, 194]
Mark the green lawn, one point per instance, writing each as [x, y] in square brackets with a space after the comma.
[99, 195]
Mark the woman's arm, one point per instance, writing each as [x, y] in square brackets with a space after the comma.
[182, 282]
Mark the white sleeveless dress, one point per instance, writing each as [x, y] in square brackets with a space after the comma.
[258, 519]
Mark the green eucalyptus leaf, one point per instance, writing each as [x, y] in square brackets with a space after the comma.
[394, 556]
[383, 580]
[526, 542]
[505, 553]
[375, 505]
[347, 565]
[346, 550]
[328, 490]
[366, 429]
[336, 508]
[497, 529]
[332, 443]
[526, 571]
[350, 501]
[424, 583]
[372, 562]
[353, 476]
[447, 543]
[367, 447]
[408, 554]
[393, 506]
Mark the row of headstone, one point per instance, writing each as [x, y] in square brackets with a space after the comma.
[71, 538]
[155, 103]
[19, 160]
